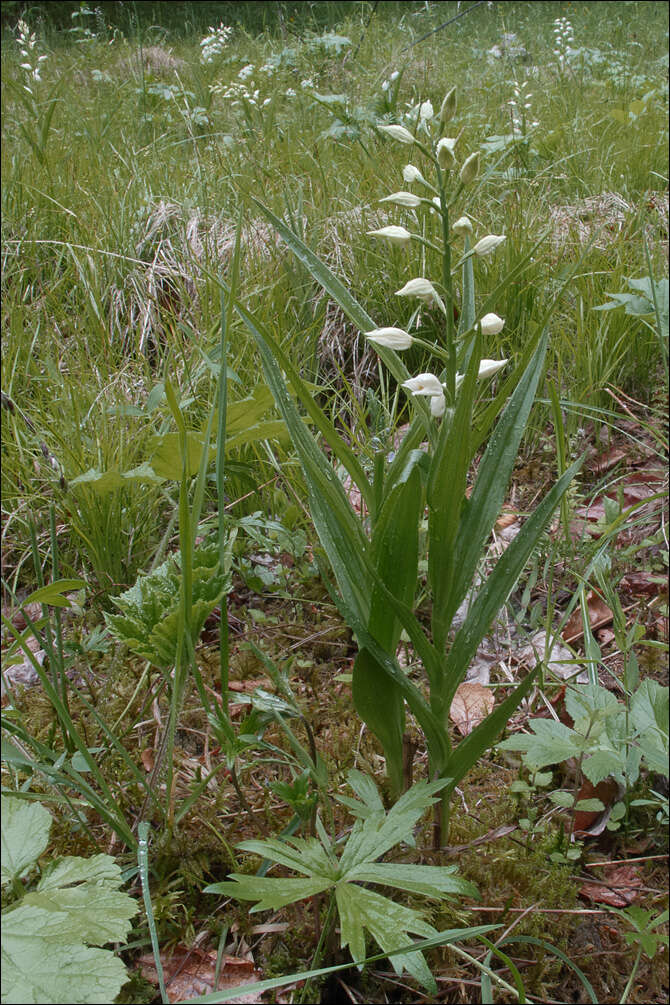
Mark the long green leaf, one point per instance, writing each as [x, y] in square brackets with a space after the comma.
[446, 492]
[495, 469]
[342, 450]
[483, 736]
[337, 525]
[395, 553]
[499, 585]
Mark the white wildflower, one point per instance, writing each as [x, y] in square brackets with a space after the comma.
[491, 324]
[487, 245]
[394, 235]
[406, 199]
[390, 338]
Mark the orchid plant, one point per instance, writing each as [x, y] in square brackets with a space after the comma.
[375, 555]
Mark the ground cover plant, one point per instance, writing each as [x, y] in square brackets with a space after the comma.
[334, 494]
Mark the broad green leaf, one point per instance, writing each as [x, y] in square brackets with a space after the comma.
[550, 742]
[25, 835]
[649, 715]
[447, 483]
[87, 913]
[306, 855]
[379, 703]
[373, 837]
[395, 554]
[36, 972]
[100, 869]
[369, 801]
[602, 763]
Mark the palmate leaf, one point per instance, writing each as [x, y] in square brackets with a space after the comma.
[361, 910]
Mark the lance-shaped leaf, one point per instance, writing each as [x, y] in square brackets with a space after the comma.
[337, 525]
[495, 469]
[446, 493]
[498, 586]
[395, 554]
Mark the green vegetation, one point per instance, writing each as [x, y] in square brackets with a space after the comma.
[205, 208]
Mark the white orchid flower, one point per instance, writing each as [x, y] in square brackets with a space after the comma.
[487, 245]
[445, 153]
[491, 324]
[470, 168]
[390, 338]
[487, 368]
[438, 405]
[448, 107]
[423, 290]
[394, 235]
[462, 226]
[426, 384]
[398, 133]
[406, 199]
[411, 174]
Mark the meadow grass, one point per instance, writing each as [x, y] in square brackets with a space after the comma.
[140, 154]
[128, 163]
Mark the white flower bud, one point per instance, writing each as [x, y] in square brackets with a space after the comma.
[487, 245]
[406, 199]
[390, 338]
[445, 153]
[462, 226]
[488, 367]
[448, 108]
[398, 133]
[470, 168]
[423, 290]
[426, 111]
[411, 174]
[491, 325]
[394, 235]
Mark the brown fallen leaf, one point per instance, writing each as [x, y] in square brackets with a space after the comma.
[644, 584]
[599, 616]
[619, 886]
[190, 973]
[603, 462]
[147, 757]
[593, 822]
[471, 704]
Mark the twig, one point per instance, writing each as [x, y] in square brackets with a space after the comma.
[622, 861]
[441, 26]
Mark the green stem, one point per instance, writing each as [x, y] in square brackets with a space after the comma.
[629, 985]
[325, 932]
